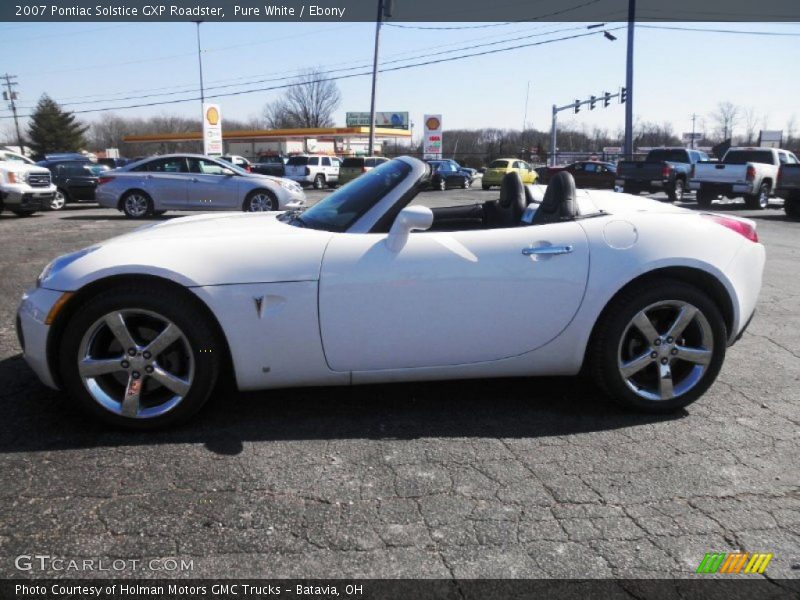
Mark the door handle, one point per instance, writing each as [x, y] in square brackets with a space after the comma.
[546, 250]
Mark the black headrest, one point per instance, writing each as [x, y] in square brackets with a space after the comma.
[559, 202]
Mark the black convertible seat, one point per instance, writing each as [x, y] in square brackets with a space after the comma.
[507, 211]
[455, 218]
[559, 202]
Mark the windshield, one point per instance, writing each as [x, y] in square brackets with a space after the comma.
[667, 155]
[297, 161]
[346, 205]
[740, 157]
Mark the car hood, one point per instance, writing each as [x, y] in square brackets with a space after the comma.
[203, 250]
[21, 167]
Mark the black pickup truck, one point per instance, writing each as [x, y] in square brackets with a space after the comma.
[269, 165]
[663, 170]
[788, 188]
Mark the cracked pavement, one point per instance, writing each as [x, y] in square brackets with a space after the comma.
[521, 478]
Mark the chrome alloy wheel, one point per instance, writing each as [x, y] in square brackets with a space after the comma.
[136, 205]
[665, 350]
[136, 363]
[58, 201]
[260, 202]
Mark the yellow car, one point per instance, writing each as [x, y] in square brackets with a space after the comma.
[355, 166]
[495, 171]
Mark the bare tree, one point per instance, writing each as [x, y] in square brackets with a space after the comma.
[750, 125]
[309, 102]
[726, 117]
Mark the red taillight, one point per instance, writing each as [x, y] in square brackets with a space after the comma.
[665, 171]
[248, 168]
[751, 173]
[740, 227]
[104, 180]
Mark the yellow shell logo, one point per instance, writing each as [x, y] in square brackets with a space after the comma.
[433, 123]
[212, 115]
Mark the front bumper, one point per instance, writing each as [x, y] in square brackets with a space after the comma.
[293, 199]
[33, 332]
[18, 198]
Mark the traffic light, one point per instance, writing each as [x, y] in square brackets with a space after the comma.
[623, 95]
[592, 102]
[577, 106]
[606, 99]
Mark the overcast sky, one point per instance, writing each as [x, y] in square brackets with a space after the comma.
[677, 72]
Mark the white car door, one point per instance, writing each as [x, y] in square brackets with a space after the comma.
[449, 298]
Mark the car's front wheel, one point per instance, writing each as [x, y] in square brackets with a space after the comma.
[140, 358]
[260, 201]
[465, 183]
[659, 346]
[59, 200]
[136, 205]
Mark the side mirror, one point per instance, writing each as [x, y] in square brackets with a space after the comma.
[411, 218]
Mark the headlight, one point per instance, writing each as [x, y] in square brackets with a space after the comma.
[62, 261]
[14, 177]
[288, 184]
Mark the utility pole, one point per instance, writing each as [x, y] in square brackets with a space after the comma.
[694, 118]
[553, 137]
[384, 10]
[200, 63]
[525, 119]
[11, 96]
[629, 82]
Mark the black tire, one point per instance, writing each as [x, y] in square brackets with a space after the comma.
[792, 207]
[180, 309]
[612, 337]
[704, 198]
[465, 183]
[260, 201]
[319, 181]
[60, 200]
[677, 191]
[759, 200]
[134, 211]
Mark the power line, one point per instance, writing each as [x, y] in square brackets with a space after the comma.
[340, 77]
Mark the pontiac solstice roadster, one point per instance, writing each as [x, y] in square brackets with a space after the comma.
[364, 288]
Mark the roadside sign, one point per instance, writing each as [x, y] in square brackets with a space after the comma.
[212, 130]
[432, 139]
[389, 120]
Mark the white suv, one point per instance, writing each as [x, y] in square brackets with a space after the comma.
[315, 169]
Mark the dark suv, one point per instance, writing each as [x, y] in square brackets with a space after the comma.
[75, 180]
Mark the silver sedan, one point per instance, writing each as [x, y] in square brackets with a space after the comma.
[193, 182]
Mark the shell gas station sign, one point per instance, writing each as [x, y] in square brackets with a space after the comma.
[432, 142]
[212, 130]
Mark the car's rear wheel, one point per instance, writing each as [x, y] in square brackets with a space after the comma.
[139, 359]
[260, 201]
[441, 184]
[659, 346]
[59, 200]
[759, 200]
[319, 182]
[136, 205]
[704, 198]
[465, 183]
[676, 193]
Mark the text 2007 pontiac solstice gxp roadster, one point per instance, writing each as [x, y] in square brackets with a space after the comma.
[362, 288]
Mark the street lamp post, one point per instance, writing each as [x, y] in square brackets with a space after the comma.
[629, 82]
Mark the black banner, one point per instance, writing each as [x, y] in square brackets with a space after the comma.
[401, 11]
[739, 588]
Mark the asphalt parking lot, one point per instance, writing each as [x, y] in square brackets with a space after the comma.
[520, 478]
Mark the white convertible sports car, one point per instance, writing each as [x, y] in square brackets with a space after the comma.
[363, 288]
